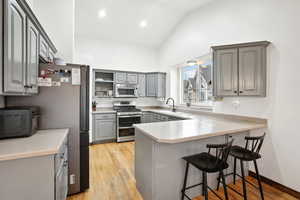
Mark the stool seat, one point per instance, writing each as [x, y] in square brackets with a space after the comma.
[244, 154]
[206, 162]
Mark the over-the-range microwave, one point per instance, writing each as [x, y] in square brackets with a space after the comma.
[126, 90]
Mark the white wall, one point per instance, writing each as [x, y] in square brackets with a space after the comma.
[100, 54]
[232, 21]
[57, 18]
[105, 54]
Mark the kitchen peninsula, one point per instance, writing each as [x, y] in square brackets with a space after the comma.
[159, 147]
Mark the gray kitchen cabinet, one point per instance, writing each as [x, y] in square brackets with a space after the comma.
[156, 85]
[124, 77]
[132, 78]
[121, 77]
[161, 85]
[14, 47]
[142, 85]
[44, 49]
[32, 65]
[240, 69]
[20, 48]
[43, 177]
[104, 127]
[51, 56]
[226, 72]
[151, 85]
[252, 71]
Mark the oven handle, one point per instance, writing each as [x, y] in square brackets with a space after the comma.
[127, 116]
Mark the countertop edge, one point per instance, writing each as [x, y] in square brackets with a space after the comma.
[193, 138]
[47, 152]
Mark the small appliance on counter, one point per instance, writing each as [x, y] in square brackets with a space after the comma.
[19, 121]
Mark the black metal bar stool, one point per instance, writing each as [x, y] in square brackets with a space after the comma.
[208, 163]
[245, 154]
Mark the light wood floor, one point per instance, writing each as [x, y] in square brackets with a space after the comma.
[112, 177]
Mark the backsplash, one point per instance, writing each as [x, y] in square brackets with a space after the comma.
[139, 101]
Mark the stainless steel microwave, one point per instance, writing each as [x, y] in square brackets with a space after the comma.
[126, 90]
[18, 122]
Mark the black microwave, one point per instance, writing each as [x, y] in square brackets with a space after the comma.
[19, 121]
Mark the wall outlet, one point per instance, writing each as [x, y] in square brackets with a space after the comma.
[72, 179]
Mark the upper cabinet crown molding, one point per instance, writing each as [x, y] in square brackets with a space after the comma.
[247, 44]
[240, 69]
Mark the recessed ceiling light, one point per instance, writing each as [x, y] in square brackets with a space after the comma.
[102, 13]
[143, 24]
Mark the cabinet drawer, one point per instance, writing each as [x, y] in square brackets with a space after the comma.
[105, 116]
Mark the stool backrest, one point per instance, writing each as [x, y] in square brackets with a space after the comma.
[221, 151]
[254, 144]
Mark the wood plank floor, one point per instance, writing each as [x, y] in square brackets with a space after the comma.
[112, 177]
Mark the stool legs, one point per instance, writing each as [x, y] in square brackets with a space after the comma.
[205, 185]
[243, 180]
[234, 171]
[224, 185]
[185, 180]
[259, 181]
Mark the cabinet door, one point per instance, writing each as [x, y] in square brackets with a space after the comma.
[104, 129]
[51, 56]
[142, 85]
[15, 48]
[252, 71]
[132, 78]
[44, 49]
[151, 85]
[161, 85]
[32, 58]
[226, 72]
[121, 77]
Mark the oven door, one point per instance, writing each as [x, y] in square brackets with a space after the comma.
[125, 127]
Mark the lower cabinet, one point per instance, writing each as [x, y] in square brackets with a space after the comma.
[104, 127]
[150, 117]
[36, 178]
[61, 178]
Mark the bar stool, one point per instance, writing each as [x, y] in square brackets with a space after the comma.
[208, 163]
[246, 154]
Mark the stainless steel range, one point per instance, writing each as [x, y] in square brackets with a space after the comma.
[127, 115]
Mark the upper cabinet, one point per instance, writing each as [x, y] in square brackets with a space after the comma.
[14, 48]
[23, 42]
[240, 70]
[156, 85]
[126, 78]
[32, 58]
[142, 85]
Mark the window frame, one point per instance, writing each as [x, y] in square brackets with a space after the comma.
[200, 104]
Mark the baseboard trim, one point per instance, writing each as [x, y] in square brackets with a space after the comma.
[277, 185]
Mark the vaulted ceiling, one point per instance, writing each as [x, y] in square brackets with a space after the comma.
[120, 20]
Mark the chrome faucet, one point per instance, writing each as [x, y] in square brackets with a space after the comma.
[173, 109]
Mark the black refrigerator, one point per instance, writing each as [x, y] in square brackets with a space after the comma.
[65, 104]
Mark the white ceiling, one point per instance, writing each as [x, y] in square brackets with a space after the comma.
[123, 17]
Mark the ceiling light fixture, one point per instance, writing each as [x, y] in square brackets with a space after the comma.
[143, 24]
[102, 13]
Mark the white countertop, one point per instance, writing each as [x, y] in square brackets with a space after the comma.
[44, 142]
[104, 110]
[199, 126]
